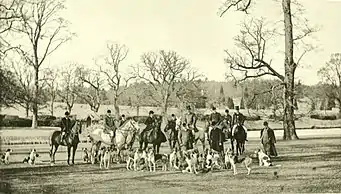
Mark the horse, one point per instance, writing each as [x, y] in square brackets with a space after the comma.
[154, 136]
[227, 131]
[199, 134]
[70, 140]
[172, 136]
[125, 136]
[239, 136]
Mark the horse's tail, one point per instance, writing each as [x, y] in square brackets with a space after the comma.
[51, 144]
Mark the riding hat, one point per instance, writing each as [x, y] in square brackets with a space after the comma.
[123, 115]
[108, 111]
[227, 110]
[188, 107]
[237, 107]
[173, 115]
[265, 123]
[214, 108]
[67, 113]
[151, 112]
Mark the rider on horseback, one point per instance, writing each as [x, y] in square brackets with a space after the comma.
[150, 122]
[214, 120]
[238, 120]
[190, 121]
[66, 125]
[122, 120]
[109, 125]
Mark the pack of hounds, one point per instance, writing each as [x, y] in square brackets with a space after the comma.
[30, 159]
[190, 161]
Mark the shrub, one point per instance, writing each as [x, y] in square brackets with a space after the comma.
[253, 118]
[323, 117]
[16, 122]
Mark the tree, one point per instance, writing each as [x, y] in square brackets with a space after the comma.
[9, 16]
[331, 75]
[230, 103]
[221, 96]
[242, 103]
[162, 71]
[253, 43]
[110, 68]
[69, 84]
[46, 31]
[51, 78]
[9, 88]
[91, 88]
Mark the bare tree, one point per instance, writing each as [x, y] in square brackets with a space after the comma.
[253, 41]
[9, 15]
[68, 86]
[162, 71]
[46, 31]
[111, 70]
[51, 80]
[92, 87]
[331, 75]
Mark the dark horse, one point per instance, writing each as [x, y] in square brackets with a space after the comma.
[239, 136]
[71, 140]
[217, 139]
[153, 136]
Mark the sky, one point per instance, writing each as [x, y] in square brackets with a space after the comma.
[192, 28]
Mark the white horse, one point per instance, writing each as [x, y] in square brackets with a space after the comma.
[125, 135]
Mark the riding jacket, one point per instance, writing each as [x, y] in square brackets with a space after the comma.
[238, 118]
[215, 118]
[66, 125]
[109, 123]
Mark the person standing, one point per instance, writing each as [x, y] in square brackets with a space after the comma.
[173, 133]
[190, 122]
[268, 140]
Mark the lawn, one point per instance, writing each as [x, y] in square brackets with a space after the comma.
[306, 165]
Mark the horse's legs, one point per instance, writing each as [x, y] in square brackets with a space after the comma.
[54, 152]
[74, 148]
[68, 154]
[232, 145]
[158, 148]
[170, 144]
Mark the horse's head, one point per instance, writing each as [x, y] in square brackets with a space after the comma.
[76, 127]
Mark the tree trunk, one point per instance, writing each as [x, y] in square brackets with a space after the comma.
[137, 110]
[69, 107]
[35, 98]
[290, 66]
[117, 108]
[52, 107]
[27, 108]
[164, 110]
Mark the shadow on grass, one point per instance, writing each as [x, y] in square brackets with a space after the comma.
[312, 157]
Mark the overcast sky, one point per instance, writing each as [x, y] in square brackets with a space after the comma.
[190, 27]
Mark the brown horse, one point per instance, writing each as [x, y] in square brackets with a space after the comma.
[239, 136]
[70, 140]
[154, 136]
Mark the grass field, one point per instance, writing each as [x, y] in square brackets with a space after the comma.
[307, 165]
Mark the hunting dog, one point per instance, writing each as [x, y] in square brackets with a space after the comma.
[212, 159]
[173, 159]
[191, 158]
[151, 159]
[32, 157]
[264, 160]
[5, 158]
[233, 160]
[139, 155]
[86, 155]
[105, 158]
